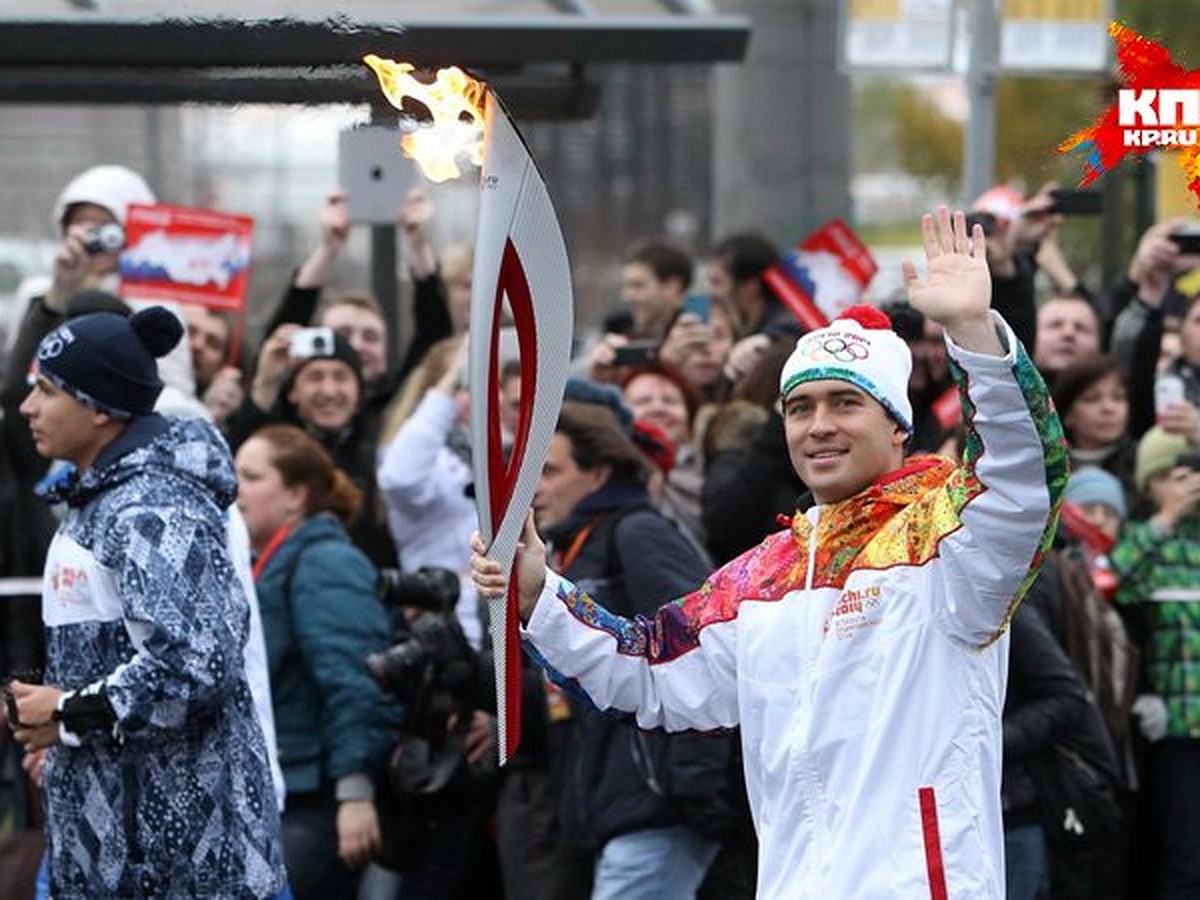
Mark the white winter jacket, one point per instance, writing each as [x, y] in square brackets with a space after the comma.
[863, 653]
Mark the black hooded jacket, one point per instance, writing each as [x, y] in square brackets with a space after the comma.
[610, 776]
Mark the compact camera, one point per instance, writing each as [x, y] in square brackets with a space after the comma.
[309, 342]
[107, 238]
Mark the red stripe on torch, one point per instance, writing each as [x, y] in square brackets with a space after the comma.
[514, 284]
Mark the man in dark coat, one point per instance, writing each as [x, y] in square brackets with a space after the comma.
[647, 807]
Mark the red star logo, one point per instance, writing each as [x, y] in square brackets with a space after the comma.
[1145, 66]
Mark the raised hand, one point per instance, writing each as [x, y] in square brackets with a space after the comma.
[416, 211]
[957, 289]
[225, 393]
[274, 363]
[1154, 260]
[335, 220]
[71, 269]
[1179, 496]
[414, 218]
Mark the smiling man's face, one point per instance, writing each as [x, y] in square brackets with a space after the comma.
[326, 393]
[840, 438]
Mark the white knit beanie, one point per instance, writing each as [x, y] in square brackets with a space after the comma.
[861, 348]
[110, 186]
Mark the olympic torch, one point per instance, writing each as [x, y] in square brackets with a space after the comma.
[520, 263]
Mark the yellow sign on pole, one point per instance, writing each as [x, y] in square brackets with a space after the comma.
[883, 35]
[1057, 10]
[1054, 35]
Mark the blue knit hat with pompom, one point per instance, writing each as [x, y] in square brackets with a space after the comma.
[107, 361]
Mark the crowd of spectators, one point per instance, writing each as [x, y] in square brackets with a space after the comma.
[669, 459]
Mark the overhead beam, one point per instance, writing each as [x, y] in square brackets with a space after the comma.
[221, 43]
[528, 96]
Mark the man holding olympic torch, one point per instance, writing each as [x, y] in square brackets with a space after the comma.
[863, 650]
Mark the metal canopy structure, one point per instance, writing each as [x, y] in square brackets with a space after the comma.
[547, 58]
[538, 63]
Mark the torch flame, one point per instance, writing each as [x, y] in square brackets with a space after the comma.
[456, 102]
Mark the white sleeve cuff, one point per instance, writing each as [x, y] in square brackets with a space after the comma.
[971, 360]
[548, 597]
[66, 738]
[355, 786]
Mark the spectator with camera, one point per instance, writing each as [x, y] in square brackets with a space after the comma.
[312, 377]
[699, 338]
[424, 474]
[89, 216]
[655, 276]
[442, 774]
[321, 620]
[440, 303]
[1157, 559]
[1147, 306]
[1022, 237]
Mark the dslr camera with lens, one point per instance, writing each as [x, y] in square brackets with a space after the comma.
[434, 673]
[430, 651]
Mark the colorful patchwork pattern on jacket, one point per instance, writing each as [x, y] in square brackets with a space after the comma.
[899, 520]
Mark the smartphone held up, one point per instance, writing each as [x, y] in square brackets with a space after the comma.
[1187, 239]
[1169, 390]
[636, 353]
[1073, 202]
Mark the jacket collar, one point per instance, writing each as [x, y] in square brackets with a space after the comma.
[619, 492]
[140, 432]
[870, 508]
[66, 484]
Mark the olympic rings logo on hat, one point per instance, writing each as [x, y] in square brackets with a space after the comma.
[55, 342]
[838, 349]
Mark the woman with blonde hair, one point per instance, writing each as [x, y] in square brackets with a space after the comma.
[321, 620]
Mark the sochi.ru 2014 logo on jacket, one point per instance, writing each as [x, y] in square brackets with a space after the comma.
[856, 608]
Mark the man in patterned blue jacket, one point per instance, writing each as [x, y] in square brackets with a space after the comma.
[157, 781]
